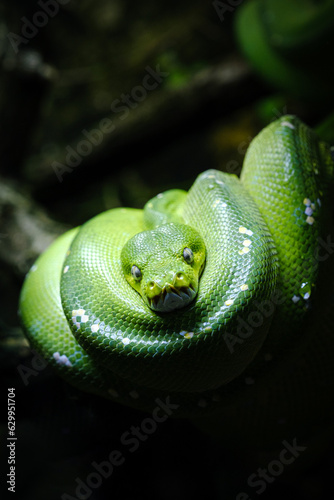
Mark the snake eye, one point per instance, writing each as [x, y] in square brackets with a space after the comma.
[136, 272]
[188, 255]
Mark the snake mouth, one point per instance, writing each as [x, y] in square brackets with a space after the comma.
[172, 298]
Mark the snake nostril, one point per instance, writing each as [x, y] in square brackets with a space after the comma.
[151, 285]
[180, 277]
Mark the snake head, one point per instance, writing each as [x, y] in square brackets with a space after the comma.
[164, 265]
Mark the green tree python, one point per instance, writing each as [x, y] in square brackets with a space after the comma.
[219, 299]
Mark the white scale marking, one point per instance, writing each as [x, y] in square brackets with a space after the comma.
[287, 124]
[61, 359]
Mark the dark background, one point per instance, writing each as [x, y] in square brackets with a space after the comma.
[55, 83]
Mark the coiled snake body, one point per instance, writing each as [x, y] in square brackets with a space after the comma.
[216, 298]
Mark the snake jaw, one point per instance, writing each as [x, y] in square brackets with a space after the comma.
[171, 298]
